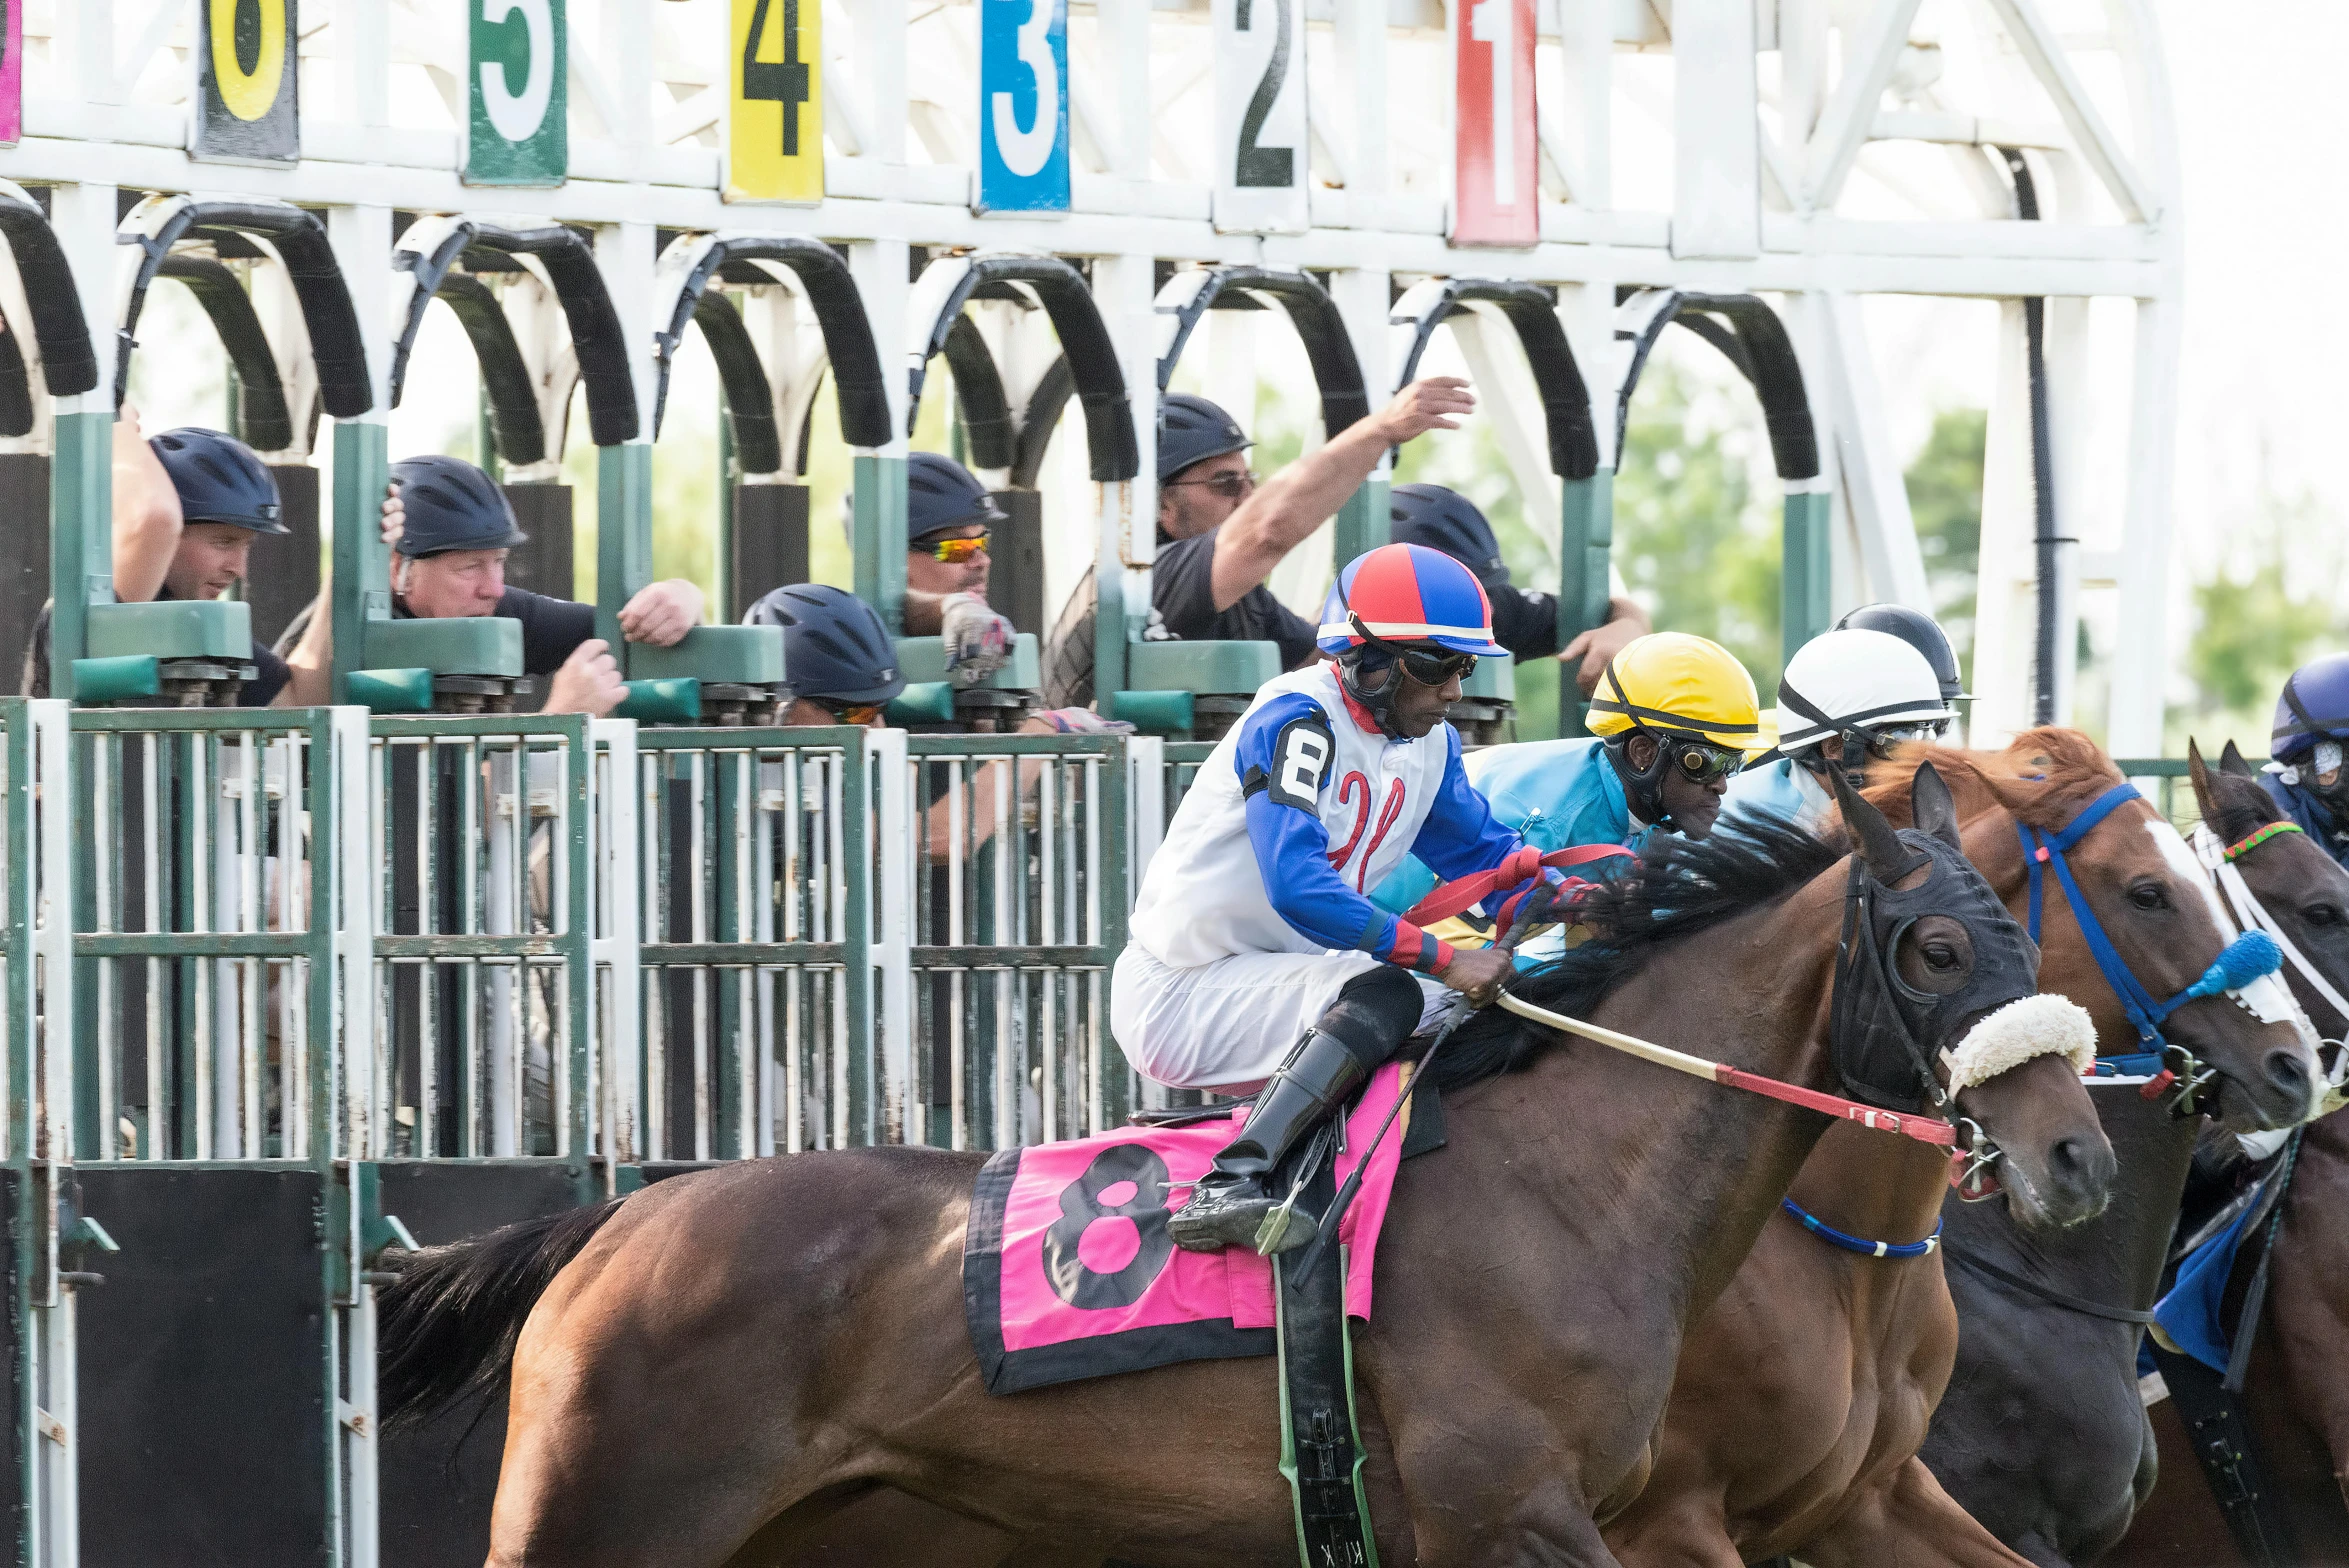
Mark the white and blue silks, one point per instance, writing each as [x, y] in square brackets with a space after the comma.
[1782, 789]
[1559, 794]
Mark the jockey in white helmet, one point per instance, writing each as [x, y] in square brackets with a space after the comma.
[1847, 696]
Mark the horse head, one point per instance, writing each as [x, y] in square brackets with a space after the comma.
[2013, 1073]
[2302, 888]
[2143, 954]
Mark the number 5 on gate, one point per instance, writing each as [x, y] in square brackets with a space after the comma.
[775, 127]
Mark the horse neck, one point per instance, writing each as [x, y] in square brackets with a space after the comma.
[1873, 1185]
[2067, 967]
[1660, 1165]
[2117, 1257]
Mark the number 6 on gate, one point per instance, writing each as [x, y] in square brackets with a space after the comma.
[1023, 106]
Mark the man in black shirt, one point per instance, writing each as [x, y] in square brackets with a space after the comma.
[450, 527]
[1525, 621]
[187, 507]
[1220, 532]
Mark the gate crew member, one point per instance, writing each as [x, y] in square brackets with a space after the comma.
[1254, 951]
[187, 507]
[949, 517]
[1848, 696]
[2311, 726]
[450, 527]
[1220, 532]
[1524, 622]
[1673, 718]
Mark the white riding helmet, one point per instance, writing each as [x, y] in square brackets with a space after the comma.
[1855, 680]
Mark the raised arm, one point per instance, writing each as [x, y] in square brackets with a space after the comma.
[146, 513]
[1300, 498]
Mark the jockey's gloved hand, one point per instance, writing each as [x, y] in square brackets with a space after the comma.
[978, 641]
[1529, 909]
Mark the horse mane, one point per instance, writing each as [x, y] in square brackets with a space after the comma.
[2042, 778]
[1679, 888]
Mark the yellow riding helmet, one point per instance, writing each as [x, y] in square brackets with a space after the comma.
[1674, 684]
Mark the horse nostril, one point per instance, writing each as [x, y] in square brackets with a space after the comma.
[2287, 1070]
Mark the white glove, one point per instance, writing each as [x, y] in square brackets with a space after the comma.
[978, 641]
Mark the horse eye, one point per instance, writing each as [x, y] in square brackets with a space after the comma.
[1941, 955]
[2322, 914]
[2149, 895]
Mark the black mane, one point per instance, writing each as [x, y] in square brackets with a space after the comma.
[1680, 887]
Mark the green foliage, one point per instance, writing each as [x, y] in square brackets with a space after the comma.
[1945, 497]
[1696, 519]
[2268, 607]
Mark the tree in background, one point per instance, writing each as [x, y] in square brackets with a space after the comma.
[1945, 497]
[2270, 604]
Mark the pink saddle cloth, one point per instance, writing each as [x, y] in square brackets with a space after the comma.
[1068, 1271]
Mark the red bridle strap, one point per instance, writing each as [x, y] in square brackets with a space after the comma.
[1521, 865]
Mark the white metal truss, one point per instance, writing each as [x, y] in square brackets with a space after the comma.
[1859, 163]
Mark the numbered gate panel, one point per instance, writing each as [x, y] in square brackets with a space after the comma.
[436, 1481]
[204, 1404]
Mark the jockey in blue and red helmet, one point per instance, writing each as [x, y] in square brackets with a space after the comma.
[2311, 727]
[1255, 952]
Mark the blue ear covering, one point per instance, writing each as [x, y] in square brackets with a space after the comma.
[2249, 956]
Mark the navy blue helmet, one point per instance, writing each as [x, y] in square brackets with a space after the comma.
[452, 505]
[834, 645]
[220, 480]
[1192, 430]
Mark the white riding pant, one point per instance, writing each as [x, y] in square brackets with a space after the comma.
[1231, 1022]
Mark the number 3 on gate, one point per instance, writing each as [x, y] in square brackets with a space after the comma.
[775, 131]
[1023, 105]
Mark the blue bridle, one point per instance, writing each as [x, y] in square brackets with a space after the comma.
[2244, 960]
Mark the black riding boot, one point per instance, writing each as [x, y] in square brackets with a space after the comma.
[1231, 1203]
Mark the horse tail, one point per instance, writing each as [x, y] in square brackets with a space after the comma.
[445, 1331]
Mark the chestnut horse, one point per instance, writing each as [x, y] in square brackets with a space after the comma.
[2042, 1434]
[1802, 1396]
[2296, 1391]
[701, 1372]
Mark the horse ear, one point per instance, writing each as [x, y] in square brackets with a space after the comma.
[1933, 808]
[2231, 761]
[2205, 795]
[1879, 845]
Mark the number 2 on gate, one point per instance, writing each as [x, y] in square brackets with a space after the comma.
[775, 138]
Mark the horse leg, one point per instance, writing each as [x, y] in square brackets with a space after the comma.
[1908, 1519]
[1687, 1533]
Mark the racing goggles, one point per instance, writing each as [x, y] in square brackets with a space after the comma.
[956, 551]
[1883, 742]
[1703, 763]
[1428, 666]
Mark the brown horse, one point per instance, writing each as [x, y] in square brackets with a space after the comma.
[2296, 1391]
[1802, 1396]
[2042, 1435]
[702, 1373]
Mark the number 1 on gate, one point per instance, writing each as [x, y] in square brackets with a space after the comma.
[1493, 172]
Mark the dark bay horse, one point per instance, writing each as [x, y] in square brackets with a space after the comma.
[703, 1372]
[2042, 1434]
[2296, 1393]
[1803, 1394]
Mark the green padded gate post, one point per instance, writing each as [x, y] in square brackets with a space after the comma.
[1361, 524]
[1806, 592]
[28, 1269]
[362, 566]
[878, 538]
[1587, 540]
[81, 536]
[623, 534]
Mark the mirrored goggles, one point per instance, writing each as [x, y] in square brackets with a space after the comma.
[859, 714]
[955, 551]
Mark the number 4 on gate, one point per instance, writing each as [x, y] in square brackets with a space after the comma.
[775, 129]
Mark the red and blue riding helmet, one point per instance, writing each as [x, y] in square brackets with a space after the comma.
[1408, 594]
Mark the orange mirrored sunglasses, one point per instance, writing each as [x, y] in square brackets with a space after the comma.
[954, 551]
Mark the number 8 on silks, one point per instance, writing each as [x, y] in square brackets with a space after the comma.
[1023, 106]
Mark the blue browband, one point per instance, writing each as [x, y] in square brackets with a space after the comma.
[2245, 959]
[1874, 1249]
